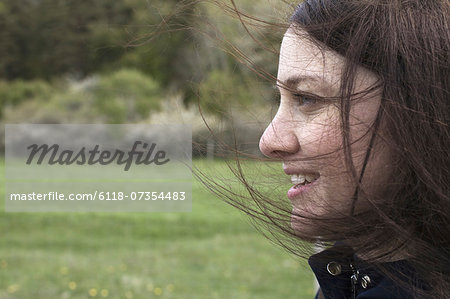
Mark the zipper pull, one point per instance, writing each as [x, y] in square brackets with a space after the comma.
[354, 279]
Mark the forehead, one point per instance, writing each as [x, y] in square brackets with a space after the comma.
[300, 57]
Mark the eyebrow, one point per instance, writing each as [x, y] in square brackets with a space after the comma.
[292, 82]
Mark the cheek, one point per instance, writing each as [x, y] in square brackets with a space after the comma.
[320, 136]
[321, 145]
[378, 175]
[379, 166]
[328, 151]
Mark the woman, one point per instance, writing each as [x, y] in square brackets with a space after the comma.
[362, 131]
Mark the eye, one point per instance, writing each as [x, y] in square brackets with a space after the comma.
[304, 100]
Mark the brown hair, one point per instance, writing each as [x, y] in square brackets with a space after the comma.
[406, 43]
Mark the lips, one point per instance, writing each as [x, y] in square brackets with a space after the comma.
[302, 180]
[299, 189]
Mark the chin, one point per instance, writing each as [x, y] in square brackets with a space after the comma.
[303, 225]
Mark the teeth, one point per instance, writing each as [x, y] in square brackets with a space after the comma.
[309, 178]
[297, 179]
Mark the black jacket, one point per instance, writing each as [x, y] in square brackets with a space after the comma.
[342, 275]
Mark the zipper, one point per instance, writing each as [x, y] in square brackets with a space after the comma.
[354, 280]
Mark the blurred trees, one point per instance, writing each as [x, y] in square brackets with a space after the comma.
[173, 41]
[47, 38]
[118, 61]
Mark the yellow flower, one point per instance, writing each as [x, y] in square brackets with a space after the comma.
[13, 288]
[72, 285]
[93, 292]
[157, 291]
[104, 293]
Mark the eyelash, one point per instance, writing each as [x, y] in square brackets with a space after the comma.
[300, 98]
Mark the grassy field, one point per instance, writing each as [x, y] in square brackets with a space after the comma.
[212, 252]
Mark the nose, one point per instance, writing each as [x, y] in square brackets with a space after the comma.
[279, 139]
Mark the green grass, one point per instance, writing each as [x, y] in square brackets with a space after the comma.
[212, 252]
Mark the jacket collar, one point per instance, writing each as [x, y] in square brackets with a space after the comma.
[341, 274]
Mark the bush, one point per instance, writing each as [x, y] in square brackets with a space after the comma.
[125, 96]
[16, 92]
[223, 91]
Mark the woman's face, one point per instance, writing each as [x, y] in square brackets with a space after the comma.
[306, 134]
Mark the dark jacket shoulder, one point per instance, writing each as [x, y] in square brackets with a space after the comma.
[342, 275]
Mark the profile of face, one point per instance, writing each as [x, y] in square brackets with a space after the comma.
[306, 134]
